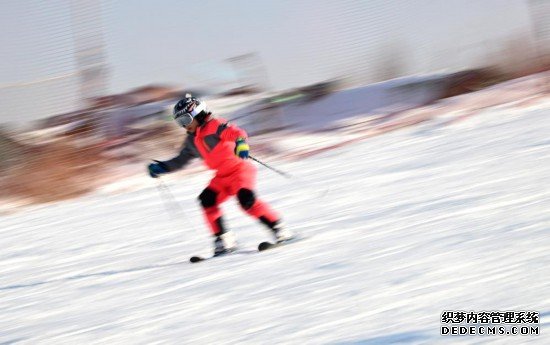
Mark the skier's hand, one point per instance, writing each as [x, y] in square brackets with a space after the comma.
[157, 168]
[242, 148]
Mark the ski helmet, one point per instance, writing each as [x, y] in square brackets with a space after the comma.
[190, 108]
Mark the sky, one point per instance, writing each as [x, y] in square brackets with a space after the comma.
[185, 43]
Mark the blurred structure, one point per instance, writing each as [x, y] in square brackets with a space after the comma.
[89, 49]
[540, 12]
[251, 74]
[68, 65]
[540, 18]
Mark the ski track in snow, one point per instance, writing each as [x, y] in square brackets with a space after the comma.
[414, 222]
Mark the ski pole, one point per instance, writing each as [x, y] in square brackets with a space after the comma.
[170, 203]
[288, 176]
[282, 173]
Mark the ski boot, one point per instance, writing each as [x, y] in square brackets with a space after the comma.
[225, 243]
[280, 233]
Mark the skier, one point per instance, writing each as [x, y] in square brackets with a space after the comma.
[224, 149]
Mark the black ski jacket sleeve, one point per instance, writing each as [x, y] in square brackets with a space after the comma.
[187, 153]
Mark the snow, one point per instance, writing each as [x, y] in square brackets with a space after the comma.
[398, 228]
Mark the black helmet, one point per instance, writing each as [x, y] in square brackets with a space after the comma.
[188, 109]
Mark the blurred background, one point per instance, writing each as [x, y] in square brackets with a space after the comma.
[416, 134]
[85, 83]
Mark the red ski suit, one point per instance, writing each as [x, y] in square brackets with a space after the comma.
[215, 142]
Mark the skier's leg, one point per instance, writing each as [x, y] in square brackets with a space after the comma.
[243, 184]
[210, 199]
[257, 208]
[263, 212]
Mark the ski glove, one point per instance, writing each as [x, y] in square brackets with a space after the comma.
[157, 168]
[241, 148]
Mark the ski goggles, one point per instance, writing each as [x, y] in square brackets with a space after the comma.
[184, 118]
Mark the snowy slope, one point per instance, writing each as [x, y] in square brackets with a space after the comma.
[415, 222]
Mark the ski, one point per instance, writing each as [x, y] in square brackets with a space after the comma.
[261, 247]
[267, 245]
[199, 258]
[270, 245]
[195, 259]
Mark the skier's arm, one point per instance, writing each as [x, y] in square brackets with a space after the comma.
[187, 153]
